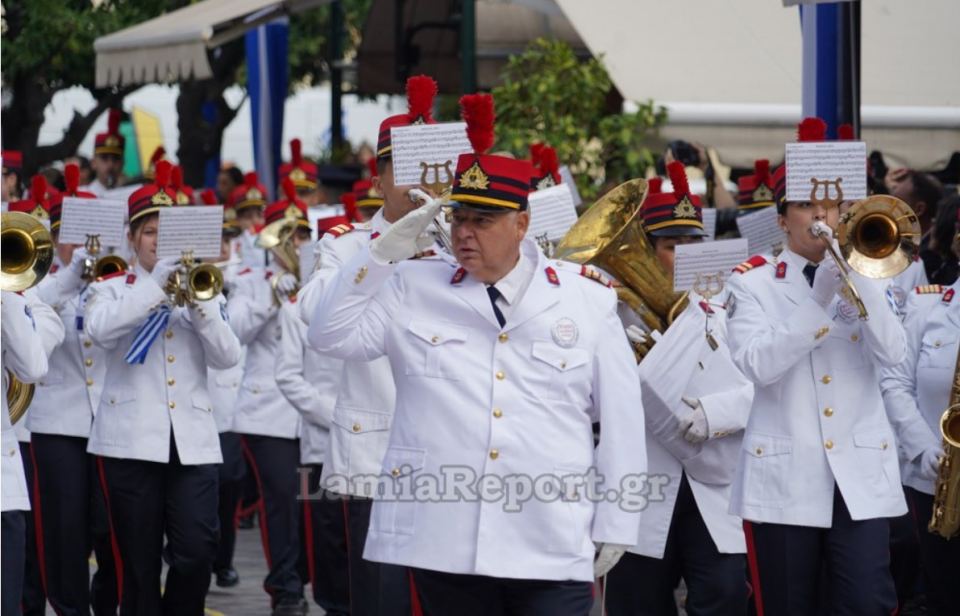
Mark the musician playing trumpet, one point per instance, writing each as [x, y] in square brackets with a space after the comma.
[818, 473]
[154, 431]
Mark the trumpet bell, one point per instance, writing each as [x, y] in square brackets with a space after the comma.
[879, 236]
[205, 282]
[26, 251]
[110, 264]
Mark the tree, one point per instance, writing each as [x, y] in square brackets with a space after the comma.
[549, 95]
[47, 45]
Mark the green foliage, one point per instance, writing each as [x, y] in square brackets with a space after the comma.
[550, 95]
[310, 37]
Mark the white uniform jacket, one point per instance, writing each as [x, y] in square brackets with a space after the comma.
[917, 391]
[26, 335]
[225, 384]
[52, 334]
[261, 408]
[902, 285]
[365, 393]
[683, 364]
[510, 403]
[142, 403]
[309, 380]
[67, 398]
[817, 418]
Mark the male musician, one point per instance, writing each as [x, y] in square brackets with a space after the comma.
[309, 380]
[818, 473]
[303, 173]
[247, 202]
[916, 392]
[366, 394]
[268, 423]
[696, 404]
[501, 367]
[107, 156]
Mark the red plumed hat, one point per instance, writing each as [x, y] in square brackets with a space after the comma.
[302, 172]
[757, 190]
[673, 213]
[288, 207]
[184, 193]
[151, 197]
[250, 194]
[110, 142]
[421, 90]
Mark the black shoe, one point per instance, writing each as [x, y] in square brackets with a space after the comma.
[291, 607]
[227, 578]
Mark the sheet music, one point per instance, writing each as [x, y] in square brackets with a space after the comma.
[427, 153]
[195, 228]
[761, 230]
[83, 217]
[705, 259]
[551, 212]
[710, 223]
[567, 179]
[826, 160]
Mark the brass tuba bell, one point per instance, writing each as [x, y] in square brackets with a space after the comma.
[277, 237]
[610, 236]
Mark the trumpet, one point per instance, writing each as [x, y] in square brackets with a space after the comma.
[277, 237]
[877, 238]
[25, 258]
[95, 266]
[193, 282]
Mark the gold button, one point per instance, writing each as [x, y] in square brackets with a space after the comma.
[87, 344]
[854, 338]
[395, 472]
[170, 358]
[356, 427]
[828, 444]
[361, 274]
[883, 445]
[828, 412]
[826, 379]
[169, 334]
[88, 362]
[494, 454]
[821, 333]
[173, 405]
[936, 344]
[435, 339]
[90, 383]
[497, 413]
[501, 375]
[563, 364]
[759, 451]
[171, 382]
[503, 337]
[113, 401]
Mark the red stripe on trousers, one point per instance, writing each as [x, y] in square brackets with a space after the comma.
[754, 566]
[346, 534]
[308, 538]
[264, 532]
[114, 544]
[415, 608]
[38, 522]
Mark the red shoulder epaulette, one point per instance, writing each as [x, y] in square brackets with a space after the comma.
[927, 289]
[552, 276]
[749, 264]
[948, 296]
[458, 276]
[244, 271]
[115, 274]
[594, 275]
[341, 229]
[54, 268]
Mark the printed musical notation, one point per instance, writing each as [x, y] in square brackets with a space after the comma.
[426, 154]
[83, 217]
[190, 228]
[761, 230]
[826, 160]
[552, 212]
[713, 260]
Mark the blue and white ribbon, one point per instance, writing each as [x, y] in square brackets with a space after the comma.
[148, 332]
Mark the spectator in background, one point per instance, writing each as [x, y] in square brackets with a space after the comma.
[941, 262]
[228, 179]
[921, 191]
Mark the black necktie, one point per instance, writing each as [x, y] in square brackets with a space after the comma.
[809, 271]
[494, 294]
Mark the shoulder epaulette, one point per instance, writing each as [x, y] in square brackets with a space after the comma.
[926, 289]
[115, 274]
[593, 274]
[749, 264]
[341, 229]
[54, 268]
[244, 271]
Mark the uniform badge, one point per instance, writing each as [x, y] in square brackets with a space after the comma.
[131, 278]
[458, 276]
[552, 276]
[898, 296]
[565, 332]
[782, 269]
[846, 311]
[948, 296]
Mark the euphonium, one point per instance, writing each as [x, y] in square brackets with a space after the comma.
[878, 238]
[95, 266]
[277, 237]
[946, 492]
[610, 236]
[26, 253]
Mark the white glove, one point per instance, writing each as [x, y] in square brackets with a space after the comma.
[407, 236]
[693, 427]
[286, 283]
[608, 556]
[80, 255]
[636, 335]
[826, 282]
[930, 463]
[162, 270]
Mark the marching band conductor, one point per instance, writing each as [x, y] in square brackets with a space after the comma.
[502, 362]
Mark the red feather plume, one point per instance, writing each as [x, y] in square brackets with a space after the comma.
[421, 90]
[289, 190]
[656, 186]
[536, 153]
[296, 154]
[678, 177]
[372, 167]
[162, 174]
[176, 176]
[71, 178]
[250, 179]
[549, 163]
[38, 188]
[812, 129]
[157, 154]
[208, 197]
[350, 207]
[761, 168]
[477, 111]
[845, 132]
[113, 122]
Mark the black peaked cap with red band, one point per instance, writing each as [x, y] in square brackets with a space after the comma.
[110, 142]
[288, 207]
[41, 200]
[421, 91]
[672, 213]
[546, 166]
[149, 198]
[364, 192]
[249, 194]
[486, 181]
[756, 191]
[71, 179]
[302, 172]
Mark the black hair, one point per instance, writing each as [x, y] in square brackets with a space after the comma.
[928, 189]
[236, 176]
[945, 226]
